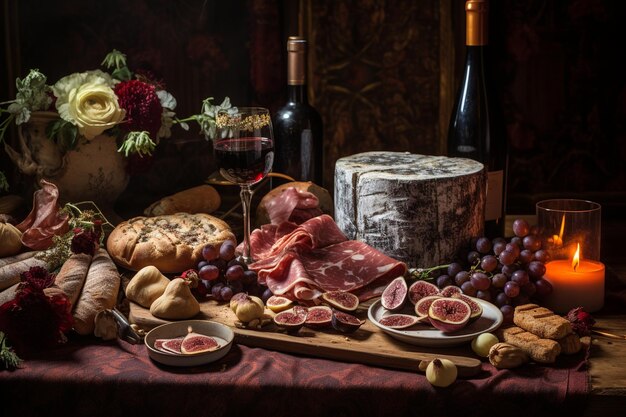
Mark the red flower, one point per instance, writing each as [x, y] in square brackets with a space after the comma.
[142, 105]
[85, 241]
[37, 278]
[582, 322]
[33, 320]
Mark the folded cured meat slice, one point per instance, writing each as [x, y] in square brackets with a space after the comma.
[316, 257]
[293, 205]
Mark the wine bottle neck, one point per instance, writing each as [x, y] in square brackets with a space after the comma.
[296, 93]
[476, 15]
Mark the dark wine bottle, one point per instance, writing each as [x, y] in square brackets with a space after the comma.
[298, 142]
[474, 132]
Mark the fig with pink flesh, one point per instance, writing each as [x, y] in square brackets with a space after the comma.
[399, 321]
[195, 343]
[477, 309]
[344, 322]
[420, 289]
[422, 306]
[291, 320]
[394, 295]
[449, 314]
[169, 345]
[449, 290]
[319, 317]
[341, 300]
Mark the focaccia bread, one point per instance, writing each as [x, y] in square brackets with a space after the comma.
[172, 243]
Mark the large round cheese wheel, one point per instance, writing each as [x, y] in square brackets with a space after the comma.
[419, 209]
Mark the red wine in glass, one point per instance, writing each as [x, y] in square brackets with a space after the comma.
[244, 160]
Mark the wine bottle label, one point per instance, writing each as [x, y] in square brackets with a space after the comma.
[495, 183]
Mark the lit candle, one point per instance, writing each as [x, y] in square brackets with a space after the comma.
[575, 283]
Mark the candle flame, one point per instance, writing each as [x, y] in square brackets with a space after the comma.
[576, 258]
[558, 240]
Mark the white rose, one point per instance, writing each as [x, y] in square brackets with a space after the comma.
[88, 101]
[94, 109]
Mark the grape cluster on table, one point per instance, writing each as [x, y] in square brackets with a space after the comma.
[505, 273]
[223, 275]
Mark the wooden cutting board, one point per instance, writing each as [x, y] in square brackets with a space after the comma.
[368, 345]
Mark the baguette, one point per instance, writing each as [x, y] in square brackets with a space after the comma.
[8, 294]
[541, 321]
[540, 350]
[99, 292]
[17, 258]
[201, 199]
[10, 274]
[71, 277]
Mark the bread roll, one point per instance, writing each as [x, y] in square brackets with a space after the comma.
[201, 199]
[171, 243]
[99, 293]
[72, 275]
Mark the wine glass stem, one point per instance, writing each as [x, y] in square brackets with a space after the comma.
[246, 199]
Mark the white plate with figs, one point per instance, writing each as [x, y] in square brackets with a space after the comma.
[423, 334]
[189, 342]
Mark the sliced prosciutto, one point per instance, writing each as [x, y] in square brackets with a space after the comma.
[315, 257]
[296, 206]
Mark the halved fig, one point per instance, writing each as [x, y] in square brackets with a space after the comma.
[342, 300]
[319, 317]
[399, 321]
[477, 309]
[394, 295]
[449, 314]
[344, 322]
[169, 345]
[447, 291]
[291, 320]
[422, 306]
[194, 343]
[278, 303]
[420, 289]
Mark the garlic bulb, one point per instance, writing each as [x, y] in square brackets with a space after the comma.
[441, 372]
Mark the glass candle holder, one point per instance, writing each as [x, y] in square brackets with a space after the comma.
[566, 223]
[571, 232]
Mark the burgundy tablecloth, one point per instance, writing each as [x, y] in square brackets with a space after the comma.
[88, 377]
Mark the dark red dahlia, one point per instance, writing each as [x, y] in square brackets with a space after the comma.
[85, 241]
[142, 105]
[37, 278]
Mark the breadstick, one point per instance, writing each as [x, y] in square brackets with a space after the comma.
[541, 321]
[71, 277]
[16, 258]
[10, 274]
[540, 350]
[99, 292]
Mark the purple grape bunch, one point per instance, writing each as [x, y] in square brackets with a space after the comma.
[223, 275]
[505, 273]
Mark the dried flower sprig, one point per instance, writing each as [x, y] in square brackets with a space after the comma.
[137, 142]
[8, 358]
[207, 118]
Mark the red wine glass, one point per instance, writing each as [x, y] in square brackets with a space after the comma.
[244, 153]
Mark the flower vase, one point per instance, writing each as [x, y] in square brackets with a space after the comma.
[93, 171]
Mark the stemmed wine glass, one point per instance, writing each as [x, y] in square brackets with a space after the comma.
[244, 153]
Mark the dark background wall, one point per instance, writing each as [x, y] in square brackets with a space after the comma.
[383, 74]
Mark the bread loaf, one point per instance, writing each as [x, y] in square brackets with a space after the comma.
[10, 274]
[99, 292]
[8, 294]
[201, 199]
[71, 277]
[171, 243]
[16, 258]
[540, 350]
[570, 344]
[541, 321]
